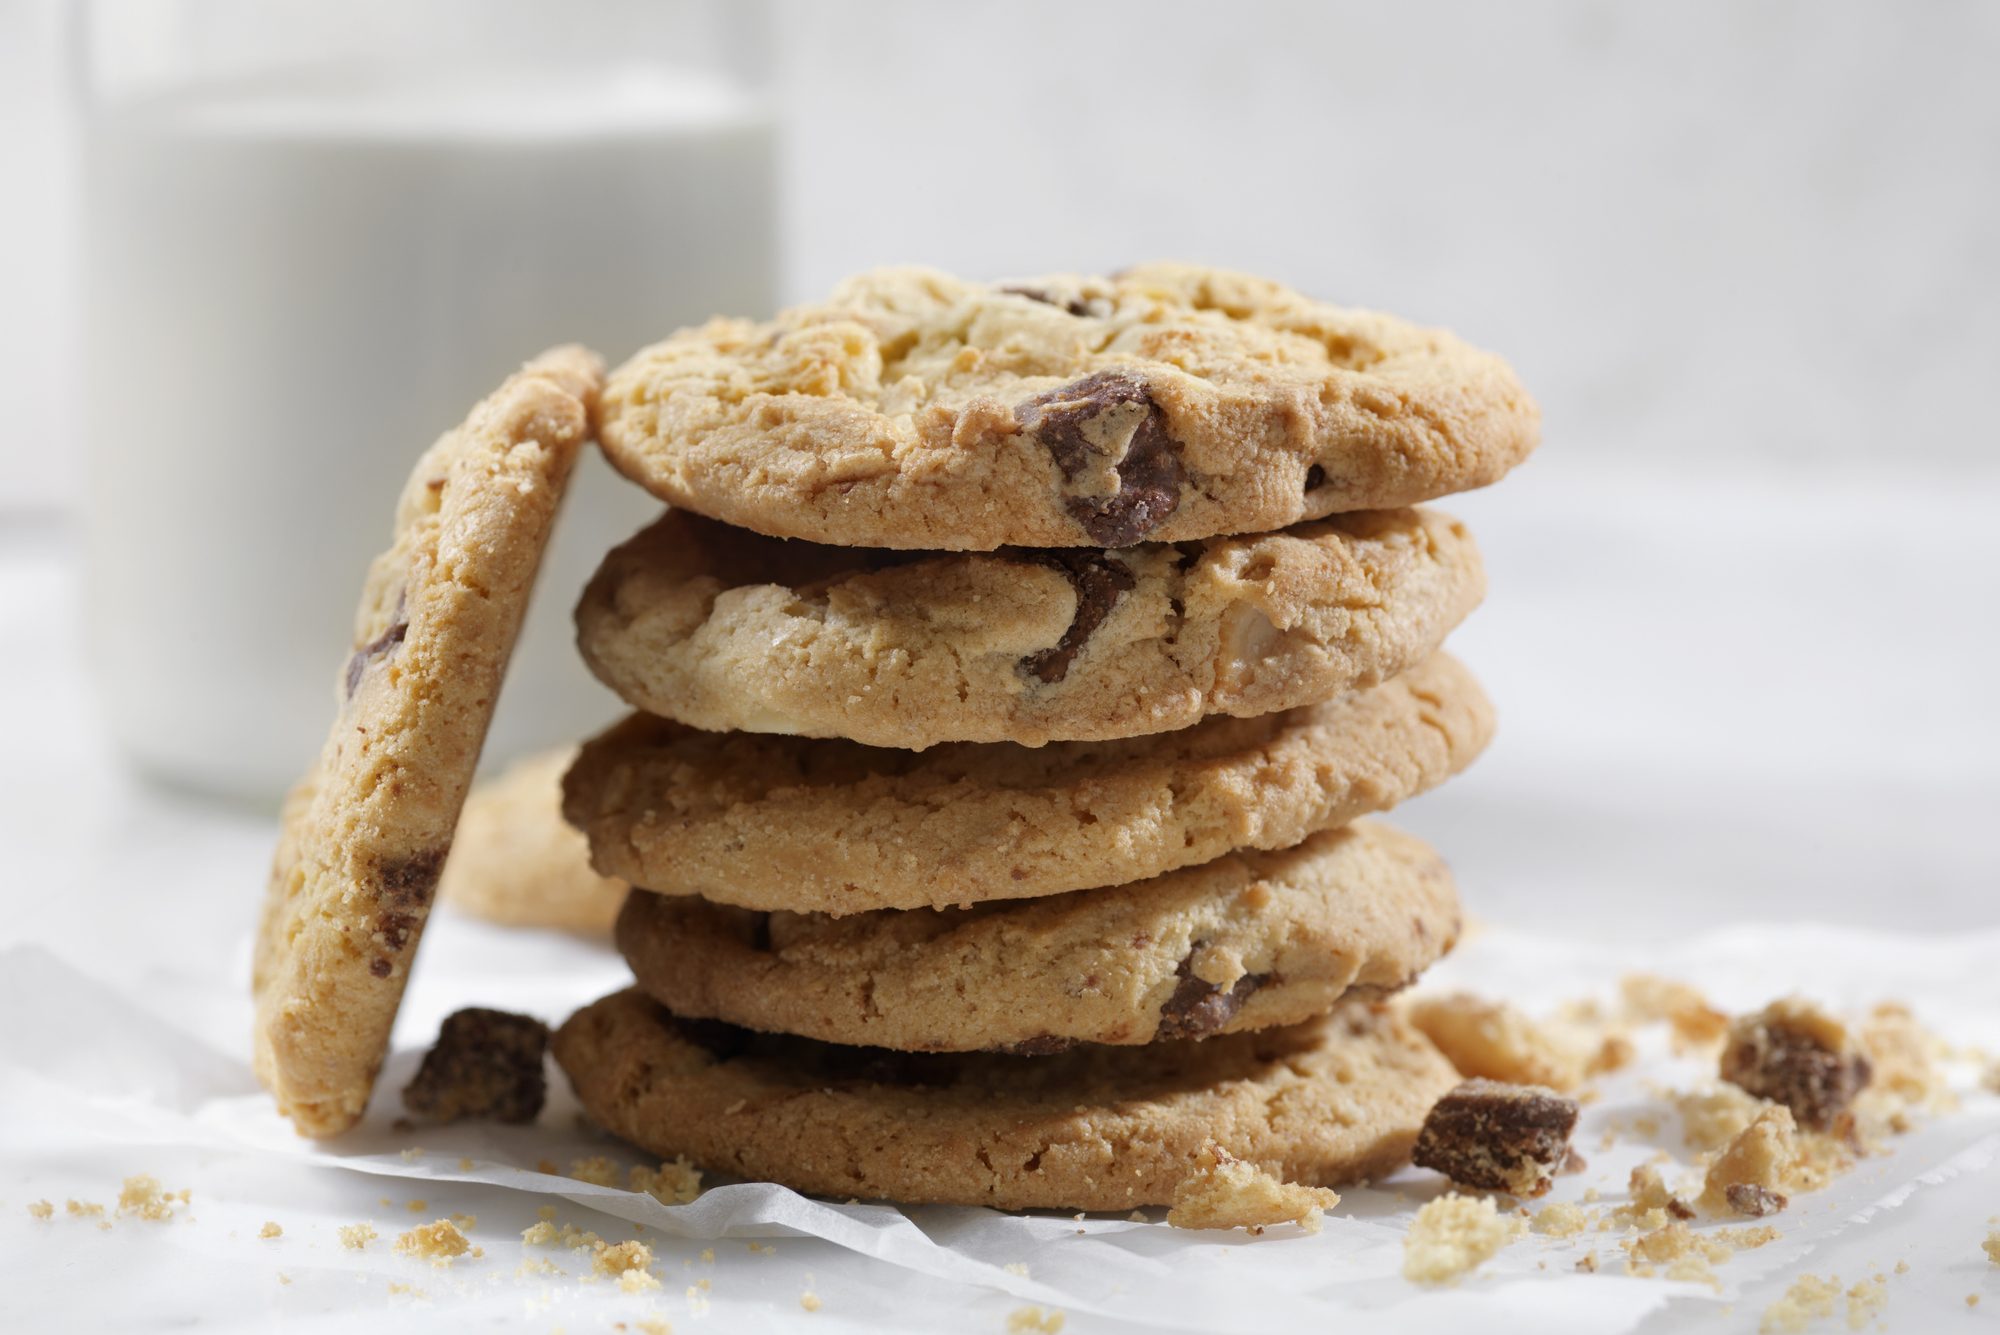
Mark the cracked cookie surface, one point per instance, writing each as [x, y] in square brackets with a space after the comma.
[364, 836]
[1168, 402]
[1249, 941]
[820, 825]
[1332, 1101]
[723, 629]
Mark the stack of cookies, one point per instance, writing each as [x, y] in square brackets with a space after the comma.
[1014, 667]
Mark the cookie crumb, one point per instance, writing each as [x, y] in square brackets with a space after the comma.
[1796, 1054]
[1587, 1263]
[1808, 1299]
[1711, 1118]
[597, 1170]
[653, 1325]
[1491, 1136]
[142, 1195]
[412, 1153]
[1753, 1201]
[1225, 1192]
[416, 1206]
[1560, 1220]
[270, 1230]
[397, 1286]
[1497, 1041]
[438, 1242]
[41, 1209]
[1992, 1247]
[1907, 1075]
[1452, 1235]
[77, 1209]
[809, 1300]
[1035, 1321]
[1764, 1155]
[1652, 1204]
[1016, 1268]
[356, 1236]
[1865, 1302]
[675, 1182]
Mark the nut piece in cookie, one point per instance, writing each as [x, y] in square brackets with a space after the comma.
[1752, 1167]
[485, 1064]
[1794, 1053]
[1498, 1137]
[1225, 1192]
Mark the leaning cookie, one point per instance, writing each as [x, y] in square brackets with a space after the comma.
[516, 862]
[820, 825]
[364, 837]
[1336, 1100]
[1164, 403]
[1249, 941]
[723, 629]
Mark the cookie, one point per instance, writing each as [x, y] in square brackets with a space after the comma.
[1164, 403]
[827, 826]
[1335, 1100]
[1249, 941]
[366, 834]
[725, 630]
[516, 862]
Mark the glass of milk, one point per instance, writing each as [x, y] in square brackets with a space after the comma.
[316, 234]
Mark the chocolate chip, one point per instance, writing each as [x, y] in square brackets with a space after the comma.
[1074, 305]
[1778, 1057]
[1492, 1136]
[1315, 478]
[410, 880]
[381, 646]
[380, 967]
[1147, 459]
[1198, 1008]
[1099, 580]
[486, 1064]
[1747, 1198]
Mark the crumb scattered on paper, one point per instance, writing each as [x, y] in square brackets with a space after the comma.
[1452, 1235]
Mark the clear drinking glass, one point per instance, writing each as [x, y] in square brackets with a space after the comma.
[315, 235]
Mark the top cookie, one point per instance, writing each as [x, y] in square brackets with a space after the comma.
[366, 833]
[1167, 402]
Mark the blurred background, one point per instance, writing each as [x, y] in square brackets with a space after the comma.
[1743, 623]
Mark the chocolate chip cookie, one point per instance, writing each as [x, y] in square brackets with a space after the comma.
[365, 835]
[516, 862]
[1164, 403]
[723, 629]
[1249, 941]
[820, 825]
[1335, 1100]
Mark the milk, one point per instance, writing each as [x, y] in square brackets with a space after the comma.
[292, 288]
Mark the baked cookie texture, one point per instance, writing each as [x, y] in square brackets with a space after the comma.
[1249, 941]
[365, 835]
[516, 862]
[1338, 1099]
[722, 629]
[828, 826]
[1168, 402]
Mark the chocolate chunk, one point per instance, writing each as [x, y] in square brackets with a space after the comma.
[1792, 1053]
[404, 888]
[380, 647]
[1099, 581]
[1492, 1136]
[1315, 478]
[1198, 1008]
[485, 1064]
[1747, 1198]
[1132, 434]
[1074, 305]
